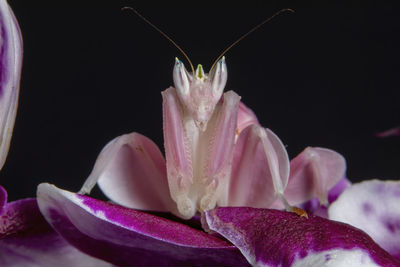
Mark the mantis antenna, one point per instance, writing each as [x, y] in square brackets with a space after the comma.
[223, 52]
[160, 31]
[247, 33]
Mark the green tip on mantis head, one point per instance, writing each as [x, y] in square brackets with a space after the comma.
[200, 72]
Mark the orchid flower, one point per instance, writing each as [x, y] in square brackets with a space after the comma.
[222, 174]
[10, 73]
[26, 239]
[24, 233]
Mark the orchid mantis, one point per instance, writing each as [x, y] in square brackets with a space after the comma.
[216, 152]
[217, 155]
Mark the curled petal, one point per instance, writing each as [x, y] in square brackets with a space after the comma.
[10, 72]
[130, 170]
[245, 118]
[277, 157]
[125, 236]
[313, 173]
[278, 238]
[373, 206]
[26, 239]
[260, 168]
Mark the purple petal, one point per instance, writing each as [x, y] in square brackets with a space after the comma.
[10, 71]
[125, 236]
[3, 198]
[277, 238]
[373, 206]
[26, 239]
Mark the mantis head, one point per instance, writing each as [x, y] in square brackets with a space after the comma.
[200, 92]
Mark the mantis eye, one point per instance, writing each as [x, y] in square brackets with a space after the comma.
[219, 76]
[181, 79]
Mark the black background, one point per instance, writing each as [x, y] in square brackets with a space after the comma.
[323, 76]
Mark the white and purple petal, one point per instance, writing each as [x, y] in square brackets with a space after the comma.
[26, 239]
[10, 72]
[125, 236]
[269, 237]
[374, 207]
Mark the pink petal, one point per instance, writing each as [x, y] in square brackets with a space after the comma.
[130, 170]
[278, 238]
[373, 206]
[313, 173]
[10, 72]
[27, 240]
[245, 118]
[252, 182]
[128, 237]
